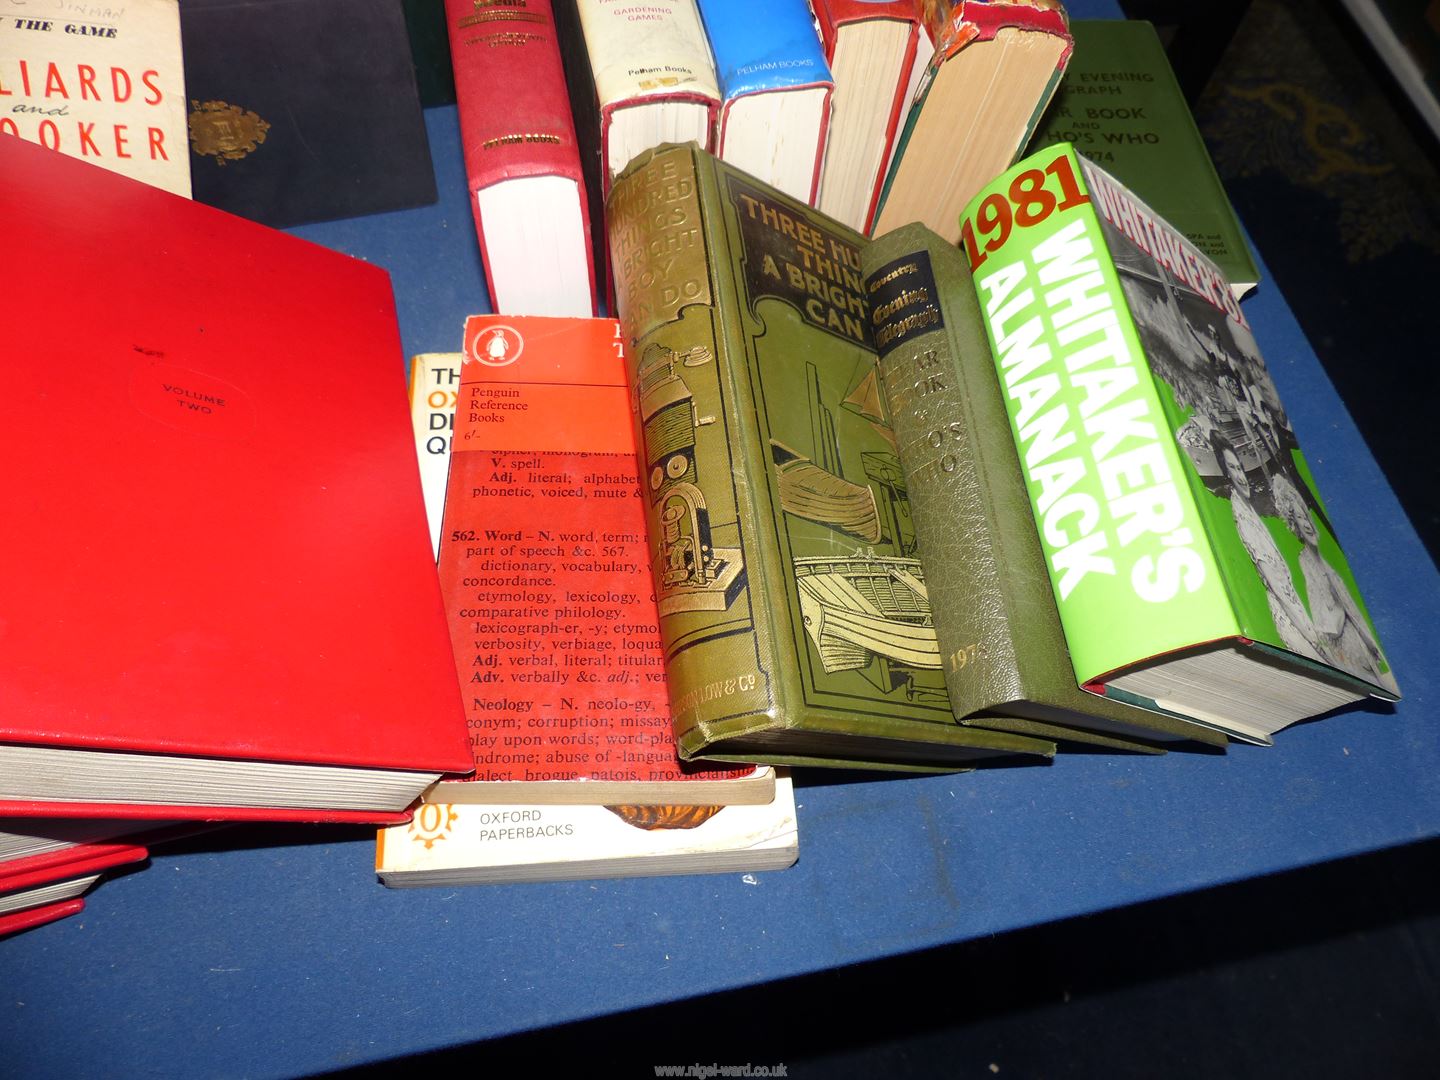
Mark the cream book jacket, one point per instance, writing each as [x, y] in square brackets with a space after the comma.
[652, 50]
[100, 82]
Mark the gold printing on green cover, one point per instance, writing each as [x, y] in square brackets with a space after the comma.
[862, 637]
[789, 587]
[683, 415]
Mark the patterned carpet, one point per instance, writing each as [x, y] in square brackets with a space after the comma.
[1341, 194]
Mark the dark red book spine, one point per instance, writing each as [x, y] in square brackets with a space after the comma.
[514, 106]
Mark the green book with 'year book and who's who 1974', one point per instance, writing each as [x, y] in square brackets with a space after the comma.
[1121, 107]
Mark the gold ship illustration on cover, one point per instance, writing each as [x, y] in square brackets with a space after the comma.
[861, 606]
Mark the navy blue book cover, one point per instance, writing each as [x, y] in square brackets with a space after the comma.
[303, 110]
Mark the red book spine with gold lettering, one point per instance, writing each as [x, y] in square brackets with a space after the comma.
[521, 159]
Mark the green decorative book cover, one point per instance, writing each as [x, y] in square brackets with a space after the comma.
[1121, 106]
[1178, 517]
[1002, 648]
[792, 603]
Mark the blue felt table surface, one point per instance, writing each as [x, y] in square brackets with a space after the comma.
[284, 956]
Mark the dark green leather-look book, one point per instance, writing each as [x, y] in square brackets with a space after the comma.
[793, 605]
[1003, 651]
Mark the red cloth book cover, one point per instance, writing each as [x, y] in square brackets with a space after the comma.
[80, 861]
[515, 119]
[97, 845]
[217, 545]
[955, 25]
[39, 916]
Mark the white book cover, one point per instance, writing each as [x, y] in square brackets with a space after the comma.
[434, 380]
[653, 50]
[449, 844]
[100, 82]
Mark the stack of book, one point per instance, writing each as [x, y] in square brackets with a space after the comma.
[884, 508]
[229, 606]
[46, 867]
[1062, 545]
[544, 566]
[976, 462]
[877, 113]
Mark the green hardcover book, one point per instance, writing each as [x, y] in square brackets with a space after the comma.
[1193, 563]
[792, 604]
[1120, 105]
[1002, 648]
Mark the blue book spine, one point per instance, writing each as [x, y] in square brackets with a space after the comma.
[763, 45]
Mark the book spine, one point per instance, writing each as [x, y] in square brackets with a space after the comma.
[663, 56]
[967, 498]
[835, 13]
[791, 602]
[1002, 646]
[665, 247]
[760, 45]
[1127, 550]
[515, 118]
[510, 87]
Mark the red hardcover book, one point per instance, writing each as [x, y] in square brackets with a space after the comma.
[876, 51]
[38, 916]
[28, 838]
[85, 860]
[220, 600]
[49, 846]
[527, 190]
[994, 68]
